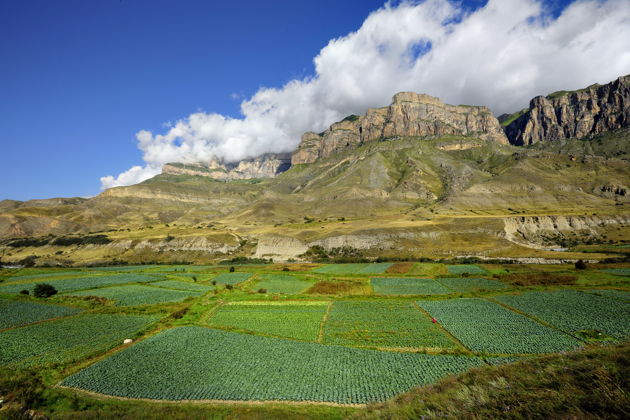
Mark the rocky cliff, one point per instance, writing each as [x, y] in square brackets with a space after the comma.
[410, 114]
[265, 166]
[581, 113]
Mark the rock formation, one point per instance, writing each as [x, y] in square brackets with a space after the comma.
[581, 113]
[265, 166]
[410, 114]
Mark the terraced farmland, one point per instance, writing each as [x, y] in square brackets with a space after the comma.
[467, 284]
[407, 286]
[372, 268]
[382, 324]
[232, 278]
[16, 313]
[48, 275]
[67, 339]
[205, 364]
[290, 320]
[136, 294]
[81, 283]
[281, 283]
[459, 269]
[572, 311]
[487, 327]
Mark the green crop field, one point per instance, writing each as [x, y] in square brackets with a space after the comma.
[618, 271]
[205, 364]
[484, 326]
[67, 339]
[617, 294]
[136, 294]
[183, 285]
[16, 313]
[465, 268]
[382, 324]
[299, 321]
[467, 284]
[48, 275]
[574, 311]
[282, 283]
[80, 283]
[126, 268]
[408, 286]
[232, 278]
[373, 268]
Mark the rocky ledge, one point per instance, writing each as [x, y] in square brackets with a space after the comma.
[410, 114]
[265, 166]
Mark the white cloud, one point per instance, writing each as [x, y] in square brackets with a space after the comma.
[500, 56]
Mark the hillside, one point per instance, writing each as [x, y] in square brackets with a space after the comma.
[415, 179]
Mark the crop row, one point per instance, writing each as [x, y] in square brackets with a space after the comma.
[371, 268]
[467, 284]
[67, 339]
[465, 268]
[14, 314]
[407, 286]
[205, 364]
[484, 326]
[183, 285]
[573, 311]
[232, 278]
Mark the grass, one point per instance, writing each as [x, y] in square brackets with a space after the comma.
[407, 286]
[487, 327]
[281, 283]
[300, 322]
[328, 287]
[382, 324]
[67, 339]
[466, 285]
[574, 311]
[138, 294]
[17, 313]
[209, 364]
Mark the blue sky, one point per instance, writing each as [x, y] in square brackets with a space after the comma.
[79, 79]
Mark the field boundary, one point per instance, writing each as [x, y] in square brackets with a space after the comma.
[441, 327]
[217, 402]
[320, 336]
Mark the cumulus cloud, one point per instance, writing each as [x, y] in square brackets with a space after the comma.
[500, 55]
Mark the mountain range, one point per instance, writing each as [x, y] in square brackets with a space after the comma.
[417, 178]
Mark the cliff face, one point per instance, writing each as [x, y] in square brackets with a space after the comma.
[266, 166]
[582, 113]
[410, 114]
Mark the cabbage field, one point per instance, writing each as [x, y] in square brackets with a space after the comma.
[365, 268]
[468, 284]
[137, 294]
[573, 311]
[232, 278]
[17, 313]
[67, 339]
[206, 364]
[281, 283]
[83, 282]
[487, 327]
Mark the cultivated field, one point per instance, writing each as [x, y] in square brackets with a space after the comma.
[336, 333]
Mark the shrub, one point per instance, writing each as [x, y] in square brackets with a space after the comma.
[231, 269]
[214, 282]
[229, 286]
[179, 313]
[169, 238]
[44, 290]
[262, 290]
[580, 265]
[285, 269]
[24, 292]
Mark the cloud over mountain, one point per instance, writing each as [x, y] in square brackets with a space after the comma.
[500, 55]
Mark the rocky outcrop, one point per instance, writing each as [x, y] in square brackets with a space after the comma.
[265, 166]
[410, 114]
[582, 113]
[550, 232]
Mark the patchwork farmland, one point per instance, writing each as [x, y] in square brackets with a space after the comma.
[265, 333]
